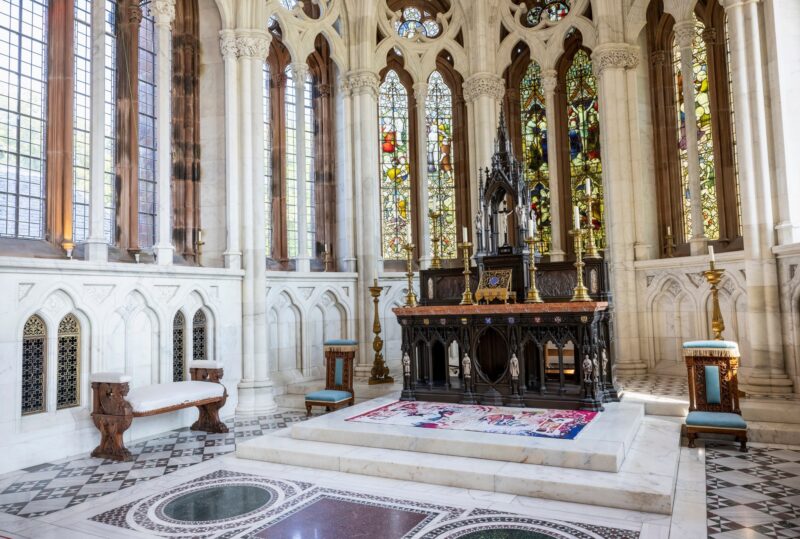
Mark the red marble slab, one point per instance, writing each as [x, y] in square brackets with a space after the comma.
[511, 308]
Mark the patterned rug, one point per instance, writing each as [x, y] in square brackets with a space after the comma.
[561, 424]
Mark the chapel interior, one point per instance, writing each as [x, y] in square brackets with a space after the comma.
[321, 269]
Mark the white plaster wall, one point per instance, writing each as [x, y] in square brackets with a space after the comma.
[126, 314]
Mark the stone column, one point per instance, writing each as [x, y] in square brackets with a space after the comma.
[610, 62]
[364, 87]
[685, 32]
[163, 12]
[763, 367]
[255, 389]
[232, 256]
[483, 93]
[423, 222]
[345, 187]
[96, 246]
[549, 82]
[299, 72]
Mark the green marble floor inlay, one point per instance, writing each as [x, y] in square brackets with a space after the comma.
[506, 533]
[217, 503]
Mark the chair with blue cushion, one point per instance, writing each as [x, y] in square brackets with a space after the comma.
[714, 390]
[340, 356]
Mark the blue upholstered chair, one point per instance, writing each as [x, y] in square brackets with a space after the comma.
[714, 390]
[339, 358]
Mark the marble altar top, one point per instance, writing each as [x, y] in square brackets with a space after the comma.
[510, 308]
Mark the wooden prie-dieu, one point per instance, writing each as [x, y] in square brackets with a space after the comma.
[552, 355]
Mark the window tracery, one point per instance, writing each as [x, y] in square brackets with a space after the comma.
[178, 336]
[549, 10]
[34, 345]
[68, 363]
[415, 22]
[199, 336]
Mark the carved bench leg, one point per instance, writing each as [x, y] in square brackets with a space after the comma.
[209, 418]
[743, 443]
[692, 437]
[111, 428]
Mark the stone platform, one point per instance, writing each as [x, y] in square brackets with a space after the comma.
[622, 459]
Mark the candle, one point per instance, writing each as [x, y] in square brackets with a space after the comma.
[464, 234]
[577, 217]
[375, 283]
[327, 248]
[711, 253]
[588, 187]
[669, 230]
[531, 228]
[408, 236]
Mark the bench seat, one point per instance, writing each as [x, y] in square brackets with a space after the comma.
[159, 398]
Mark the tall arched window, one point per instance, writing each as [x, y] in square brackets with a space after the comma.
[68, 392]
[110, 121]
[440, 165]
[34, 346]
[147, 133]
[395, 163]
[178, 336]
[199, 336]
[81, 120]
[267, 113]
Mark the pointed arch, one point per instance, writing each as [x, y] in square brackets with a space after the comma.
[68, 359]
[199, 336]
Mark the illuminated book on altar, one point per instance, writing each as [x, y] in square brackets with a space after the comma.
[555, 354]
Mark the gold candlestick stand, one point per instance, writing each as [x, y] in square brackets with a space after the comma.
[411, 297]
[533, 292]
[380, 372]
[580, 292]
[714, 276]
[328, 261]
[466, 297]
[669, 245]
[436, 262]
[591, 246]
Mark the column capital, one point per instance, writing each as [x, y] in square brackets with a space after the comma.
[658, 58]
[299, 70]
[685, 32]
[549, 80]
[134, 13]
[614, 56]
[363, 82]
[420, 91]
[484, 84]
[227, 44]
[253, 43]
[163, 11]
[709, 35]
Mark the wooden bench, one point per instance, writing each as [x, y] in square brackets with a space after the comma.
[115, 404]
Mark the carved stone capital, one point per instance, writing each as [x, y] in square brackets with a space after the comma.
[549, 80]
[363, 82]
[420, 92]
[135, 14]
[227, 44]
[485, 84]
[685, 31]
[325, 90]
[253, 43]
[658, 58]
[344, 88]
[163, 11]
[614, 56]
[709, 35]
[299, 71]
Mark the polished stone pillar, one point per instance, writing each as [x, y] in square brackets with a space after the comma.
[163, 13]
[549, 83]
[422, 223]
[685, 32]
[232, 257]
[344, 247]
[763, 367]
[299, 72]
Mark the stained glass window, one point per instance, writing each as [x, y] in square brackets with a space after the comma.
[533, 120]
[178, 365]
[267, 113]
[23, 106]
[147, 132]
[34, 340]
[199, 344]
[583, 127]
[81, 120]
[416, 22]
[441, 177]
[733, 126]
[705, 143]
[67, 376]
[549, 10]
[109, 120]
[395, 182]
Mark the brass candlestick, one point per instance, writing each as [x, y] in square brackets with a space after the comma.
[580, 292]
[436, 262]
[466, 297]
[533, 292]
[411, 297]
[327, 259]
[591, 246]
[380, 372]
[714, 276]
[669, 244]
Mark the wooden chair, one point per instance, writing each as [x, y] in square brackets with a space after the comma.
[714, 390]
[339, 359]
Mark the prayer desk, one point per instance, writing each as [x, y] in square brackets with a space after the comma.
[546, 355]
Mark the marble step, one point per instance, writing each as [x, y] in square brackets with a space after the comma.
[646, 481]
[773, 432]
[601, 446]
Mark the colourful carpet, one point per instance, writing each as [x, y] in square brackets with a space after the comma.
[560, 424]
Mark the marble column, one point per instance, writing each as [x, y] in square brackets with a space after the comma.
[549, 83]
[344, 248]
[364, 86]
[423, 222]
[163, 13]
[483, 93]
[610, 62]
[232, 257]
[256, 391]
[685, 32]
[299, 72]
[763, 367]
[96, 246]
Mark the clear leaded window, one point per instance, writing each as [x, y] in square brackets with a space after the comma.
[23, 115]
[81, 120]
[441, 177]
[67, 375]
[199, 336]
[267, 114]
[311, 221]
[34, 341]
[178, 363]
[109, 120]
[290, 111]
[533, 119]
[147, 132]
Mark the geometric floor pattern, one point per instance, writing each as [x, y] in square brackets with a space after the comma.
[294, 509]
[50, 487]
[754, 494]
